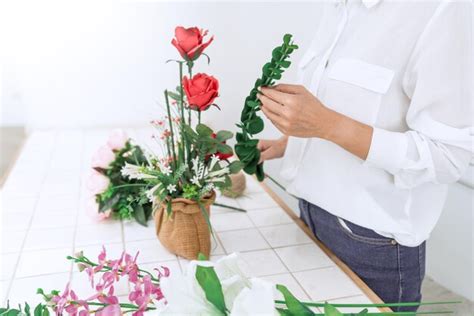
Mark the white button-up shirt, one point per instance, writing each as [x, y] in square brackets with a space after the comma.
[404, 68]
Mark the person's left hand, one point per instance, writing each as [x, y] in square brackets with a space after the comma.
[295, 111]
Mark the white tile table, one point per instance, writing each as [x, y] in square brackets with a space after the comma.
[43, 221]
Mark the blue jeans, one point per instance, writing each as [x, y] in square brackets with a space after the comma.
[394, 272]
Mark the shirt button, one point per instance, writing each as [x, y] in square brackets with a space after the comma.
[393, 242]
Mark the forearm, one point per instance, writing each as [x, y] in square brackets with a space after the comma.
[352, 135]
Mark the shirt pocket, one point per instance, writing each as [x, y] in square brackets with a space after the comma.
[304, 65]
[355, 88]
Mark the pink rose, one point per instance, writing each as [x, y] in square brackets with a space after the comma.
[103, 157]
[117, 139]
[92, 210]
[97, 182]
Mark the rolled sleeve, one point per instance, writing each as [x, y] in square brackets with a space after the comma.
[388, 150]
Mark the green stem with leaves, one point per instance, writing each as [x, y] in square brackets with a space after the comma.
[171, 129]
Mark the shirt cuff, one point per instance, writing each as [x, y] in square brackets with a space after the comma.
[387, 151]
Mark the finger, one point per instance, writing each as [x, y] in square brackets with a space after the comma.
[277, 96]
[271, 105]
[276, 119]
[289, 88]
[262, 144]
[266, 155]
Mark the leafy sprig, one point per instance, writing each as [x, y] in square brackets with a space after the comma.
[252, 124]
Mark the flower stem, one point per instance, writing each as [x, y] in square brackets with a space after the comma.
[171, 129]
[229, 207]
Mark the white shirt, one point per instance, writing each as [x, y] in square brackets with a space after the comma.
[404, 68]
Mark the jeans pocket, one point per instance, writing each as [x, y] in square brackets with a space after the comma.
[363, 234]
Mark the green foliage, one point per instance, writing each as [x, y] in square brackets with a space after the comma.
[39, 310]
[251, 124]
[211, 285]
[294, 307]
[125, 197]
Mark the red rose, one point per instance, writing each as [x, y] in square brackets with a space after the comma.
[219, 155]
[201, 90]
[189, 42]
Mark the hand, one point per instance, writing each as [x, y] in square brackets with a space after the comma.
[295, 111]
[271, 149]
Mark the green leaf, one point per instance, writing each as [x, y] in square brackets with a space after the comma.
[276, 53]
[285, 63]
[294, 306]
[209, 282]
[287, 38]
[255, 126]
[365, 311]
[201, 257]
[259, 172]
[222, 136]
[283, 312]
[109, 204]
[139, 215]
[253, 104]
[174, 96]
[203, 130]
[38, 310]
[235, 166]
[330, 310]
[224, 148]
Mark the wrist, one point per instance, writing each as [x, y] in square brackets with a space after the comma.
[334, 123]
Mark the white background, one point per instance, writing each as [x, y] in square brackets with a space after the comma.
[102, 64]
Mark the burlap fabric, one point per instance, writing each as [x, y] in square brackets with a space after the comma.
[185, 232]
[238, 185]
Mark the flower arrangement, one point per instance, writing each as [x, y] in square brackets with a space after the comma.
[251, 124]
[113, 195]
[205, 288]
[195, 160]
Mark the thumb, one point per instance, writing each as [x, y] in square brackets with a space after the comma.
[266, 154]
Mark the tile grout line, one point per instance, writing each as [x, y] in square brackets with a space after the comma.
[20, 253]
[79, 199]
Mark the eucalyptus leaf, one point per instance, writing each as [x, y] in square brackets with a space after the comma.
[139, 214]
[251, 123]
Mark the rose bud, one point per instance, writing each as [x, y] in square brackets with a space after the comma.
[200, 90]
[189, 42]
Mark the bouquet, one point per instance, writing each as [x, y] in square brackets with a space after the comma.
[194, 162]
[113, 194]
[205, 288]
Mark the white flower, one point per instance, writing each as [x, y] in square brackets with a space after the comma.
[150, 194]
[135, 172]
[214, 160]
[218, 173]
[195, 180]
[242, 296]
[171, 188]
[166, 170]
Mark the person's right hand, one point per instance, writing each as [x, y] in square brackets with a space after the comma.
[272, 148]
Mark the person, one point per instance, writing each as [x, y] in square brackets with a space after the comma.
[378, 125]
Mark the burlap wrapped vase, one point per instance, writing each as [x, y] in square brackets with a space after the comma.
[238, 185]
[185, 231]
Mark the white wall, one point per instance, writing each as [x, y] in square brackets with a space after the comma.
[87, 64]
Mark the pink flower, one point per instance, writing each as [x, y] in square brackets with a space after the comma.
[97, 183]
[92, 209]
[111, 310]
[117, 139]
[103, 157]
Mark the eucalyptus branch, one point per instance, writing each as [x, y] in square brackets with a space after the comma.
[251, 124]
